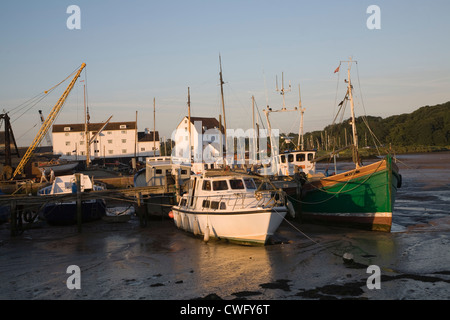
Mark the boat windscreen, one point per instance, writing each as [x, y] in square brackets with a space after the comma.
[249, 183]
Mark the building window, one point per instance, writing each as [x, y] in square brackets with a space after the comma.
[124, 131]
[109, 132]
[82, 153]
[124, 150]
[67, 153]
[81, 143]
[67, 143]
[67, 134]
[124, 140]
[123, 126]
[110, 141]
[142, 149]
[66, 128]
[110, 152]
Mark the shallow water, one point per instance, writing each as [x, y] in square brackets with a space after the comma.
[425, 192]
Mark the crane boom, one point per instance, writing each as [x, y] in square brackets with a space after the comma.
[47, 137]
[47, 123]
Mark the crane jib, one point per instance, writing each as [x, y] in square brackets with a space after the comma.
[47, 123]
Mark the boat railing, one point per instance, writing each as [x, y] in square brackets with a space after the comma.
[258, 199]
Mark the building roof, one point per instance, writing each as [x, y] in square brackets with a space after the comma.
[207, 123]
[94, 127]
[142, 136]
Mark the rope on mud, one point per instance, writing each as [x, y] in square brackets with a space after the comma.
[347, 257]
[305, 235]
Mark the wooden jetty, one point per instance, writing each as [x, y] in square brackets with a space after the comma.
[25, 207]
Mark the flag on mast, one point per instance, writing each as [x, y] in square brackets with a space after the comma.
[337, 69]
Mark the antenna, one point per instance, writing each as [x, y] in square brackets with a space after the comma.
[283, 91]
[300, 142]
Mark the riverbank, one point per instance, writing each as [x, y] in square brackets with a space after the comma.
[372, 153]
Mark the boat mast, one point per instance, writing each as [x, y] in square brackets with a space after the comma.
[189, 123]
[255, 149]
[86, 130]
[223, 105]
[355, 136]
[300, 143]
[154, 127]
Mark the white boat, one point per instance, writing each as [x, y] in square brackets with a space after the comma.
[65, 212]
[228, 205]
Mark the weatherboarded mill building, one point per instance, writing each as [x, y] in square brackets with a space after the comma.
[116, 140]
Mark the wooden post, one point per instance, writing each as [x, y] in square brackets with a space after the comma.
[177, 184]
[13, 206]
[79, 213]
[141, 212]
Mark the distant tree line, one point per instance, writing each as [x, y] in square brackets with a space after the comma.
[427, 126]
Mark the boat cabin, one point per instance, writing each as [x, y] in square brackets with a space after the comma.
[158, 168]
[65, 184]
[215, 192]
[302, 160]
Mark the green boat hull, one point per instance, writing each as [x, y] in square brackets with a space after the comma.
[362, 198]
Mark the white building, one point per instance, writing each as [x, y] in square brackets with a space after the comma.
[117, 140]
[205, 139]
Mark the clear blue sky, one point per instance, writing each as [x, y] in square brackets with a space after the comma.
[139, 50]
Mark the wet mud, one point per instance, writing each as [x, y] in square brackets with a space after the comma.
[123, 261]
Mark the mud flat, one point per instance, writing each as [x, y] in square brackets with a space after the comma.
[124, 261]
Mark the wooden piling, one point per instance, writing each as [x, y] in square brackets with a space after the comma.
[13, 206]
[79, 212]
[141, 212]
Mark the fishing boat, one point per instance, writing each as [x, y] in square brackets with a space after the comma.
[362, 197]
[227, 205]
[64, 212]
[58, 166]
[288, 170]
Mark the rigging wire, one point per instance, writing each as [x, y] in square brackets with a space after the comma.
[29, 104]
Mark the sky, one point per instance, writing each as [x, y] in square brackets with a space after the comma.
[137, 51]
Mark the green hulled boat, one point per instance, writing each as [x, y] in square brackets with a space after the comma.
[363, 197]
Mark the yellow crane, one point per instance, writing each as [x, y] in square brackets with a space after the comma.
[46, 125]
